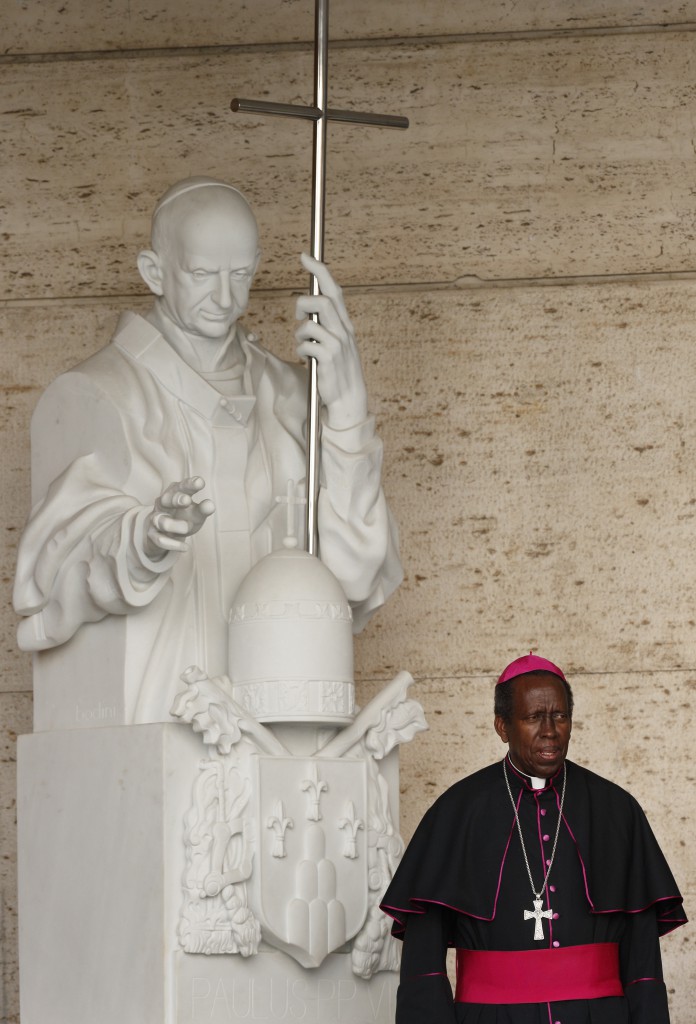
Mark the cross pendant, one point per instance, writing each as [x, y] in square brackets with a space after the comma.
[537, 914]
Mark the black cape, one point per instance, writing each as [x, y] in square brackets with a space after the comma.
[454, 860]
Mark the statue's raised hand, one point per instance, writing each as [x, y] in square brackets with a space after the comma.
[175, 517]
[331, 341]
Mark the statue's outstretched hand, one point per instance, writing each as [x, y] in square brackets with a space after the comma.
[331, 341]
[175, 517]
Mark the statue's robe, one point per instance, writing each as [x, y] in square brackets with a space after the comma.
[107, 438]
[463, 883]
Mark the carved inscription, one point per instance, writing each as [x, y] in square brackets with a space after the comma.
[100, 713]
[306, 1000]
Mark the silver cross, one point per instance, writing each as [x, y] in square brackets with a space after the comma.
[320, 114]
[537, 914]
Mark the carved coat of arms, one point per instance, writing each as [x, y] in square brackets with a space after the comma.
[292, 849]
[310, 879]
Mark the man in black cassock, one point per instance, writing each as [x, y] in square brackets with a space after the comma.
[545, 877]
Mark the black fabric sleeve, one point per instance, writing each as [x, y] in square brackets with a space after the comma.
[641, 969]
[425, 995]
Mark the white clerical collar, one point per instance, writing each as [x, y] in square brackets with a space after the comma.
[535, 783]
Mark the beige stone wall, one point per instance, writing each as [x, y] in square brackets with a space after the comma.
[521, 265]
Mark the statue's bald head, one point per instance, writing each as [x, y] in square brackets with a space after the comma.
[195, 198]
[205, 250]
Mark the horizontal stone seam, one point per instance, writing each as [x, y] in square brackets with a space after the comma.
[347, 44]
[465, 283]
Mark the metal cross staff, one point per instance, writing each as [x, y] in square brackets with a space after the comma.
[320, 115]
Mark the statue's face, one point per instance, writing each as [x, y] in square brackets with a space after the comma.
[208, 269]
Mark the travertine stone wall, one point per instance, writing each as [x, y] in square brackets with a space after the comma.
[521, 265]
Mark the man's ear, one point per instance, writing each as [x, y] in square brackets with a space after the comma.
[501, 728]
[150, 267]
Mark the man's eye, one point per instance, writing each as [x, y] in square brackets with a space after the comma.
[199, 275]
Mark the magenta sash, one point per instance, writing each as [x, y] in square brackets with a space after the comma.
[538, 975]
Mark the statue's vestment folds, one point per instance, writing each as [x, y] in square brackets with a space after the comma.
[107, 438]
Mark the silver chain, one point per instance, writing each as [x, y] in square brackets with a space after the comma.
[537, 895]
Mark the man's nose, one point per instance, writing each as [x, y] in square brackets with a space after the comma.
[222, 293]
[549, 725]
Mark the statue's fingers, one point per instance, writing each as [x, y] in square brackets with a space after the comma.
[308, 349]
[328, 288]
[162, 539]
[168, 543]
[331, 314]
[192, 484]
[322, 274]
[169, 525]
[311, 331]
[181, 499]
[206, 507]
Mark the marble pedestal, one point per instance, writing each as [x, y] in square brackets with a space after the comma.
[101, 861]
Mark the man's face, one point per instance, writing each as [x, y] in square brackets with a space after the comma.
[538, 732]
[208, 270]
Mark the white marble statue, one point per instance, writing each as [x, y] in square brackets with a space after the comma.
[159, 466]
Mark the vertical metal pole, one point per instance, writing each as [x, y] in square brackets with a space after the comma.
[321, 62]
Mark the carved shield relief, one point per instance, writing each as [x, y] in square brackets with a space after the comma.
[310, 874]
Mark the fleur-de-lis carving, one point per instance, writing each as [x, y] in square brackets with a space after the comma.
[350, 848]
[314, 787]
[280, 824]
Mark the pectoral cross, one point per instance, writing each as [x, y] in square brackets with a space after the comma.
[537, 914]
[320, 114]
